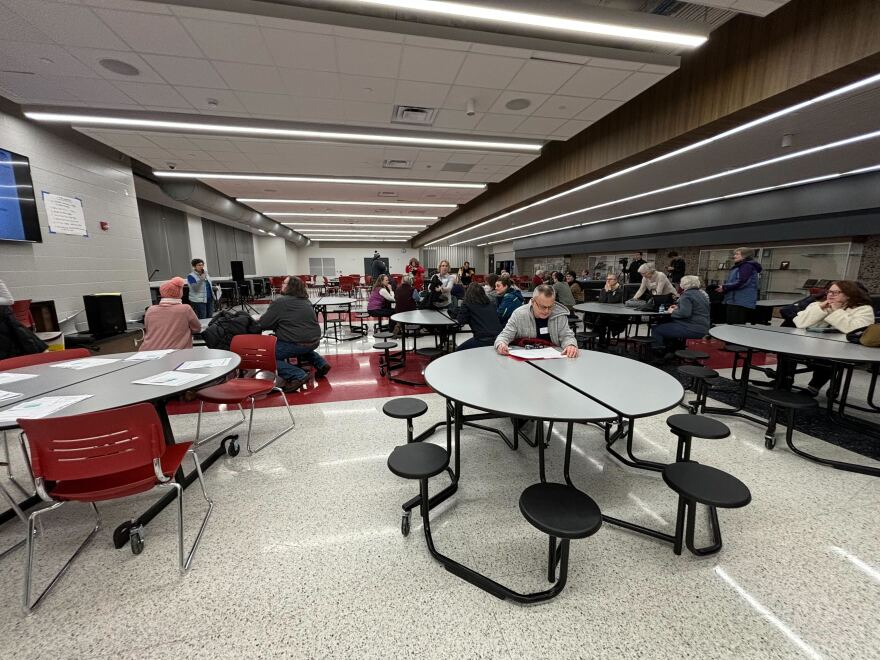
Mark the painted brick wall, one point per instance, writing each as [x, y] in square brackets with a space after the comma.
[64, 268]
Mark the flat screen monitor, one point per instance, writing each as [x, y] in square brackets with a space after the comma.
[18, 206]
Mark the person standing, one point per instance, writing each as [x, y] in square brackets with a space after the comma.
[201, 290]
[378, 266]
[655, 283]
[635, 277]
[740, 289]
[295, 324]
[170, 324]
[415, 269]
[676, 267]
[465, 274]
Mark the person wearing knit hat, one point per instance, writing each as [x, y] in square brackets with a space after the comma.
[170, 324]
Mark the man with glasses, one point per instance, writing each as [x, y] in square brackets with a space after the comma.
[543, 319]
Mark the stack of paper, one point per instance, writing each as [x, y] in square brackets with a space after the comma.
[149, 355]
[170, 379]
[10, 377]
[548, 353]
[84, 363]
[42, 407]
[205, 364]
[5, 396]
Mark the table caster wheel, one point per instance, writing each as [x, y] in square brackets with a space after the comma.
[769, 441]
[122, 534]
[404, 524]
[137, 541]
[381, 372]
[233, 448]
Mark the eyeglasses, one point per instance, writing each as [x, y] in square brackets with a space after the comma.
[832, 292]
[544, 308]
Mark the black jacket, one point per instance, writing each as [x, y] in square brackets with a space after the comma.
[15, 339]
[225, 325]
[377, 268]
[482, 319]
[635, 277]
[613, 297]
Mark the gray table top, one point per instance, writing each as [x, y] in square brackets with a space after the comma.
[802, 332]
[633, 388]
[793, 341]
[114, 389]
[423, 317]
[480, 378]
[774, 302]
[527, 294]
[608, 308]
[329, 301]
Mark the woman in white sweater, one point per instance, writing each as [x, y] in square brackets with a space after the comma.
[657, 284]
[846, 308]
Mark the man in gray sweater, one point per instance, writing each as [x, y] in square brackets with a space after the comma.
[293, 320]
[543, 318]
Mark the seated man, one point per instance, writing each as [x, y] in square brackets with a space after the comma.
[294, 321]
[543, 318]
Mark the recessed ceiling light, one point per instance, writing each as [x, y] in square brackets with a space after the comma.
[291, 214]
[258, 200]
[605, 29]
[401, 137]
[212, 102]
[365, 239]
[316, 179]
[120, 67]
[517, 104]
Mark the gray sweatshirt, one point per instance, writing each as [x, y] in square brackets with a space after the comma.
[522, 324]
[294, 320]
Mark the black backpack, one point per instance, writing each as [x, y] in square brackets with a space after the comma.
[15, 339]
[227, 324]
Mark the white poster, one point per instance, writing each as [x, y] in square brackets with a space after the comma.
[65, 215]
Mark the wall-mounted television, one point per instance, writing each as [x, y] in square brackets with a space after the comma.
[18, 206]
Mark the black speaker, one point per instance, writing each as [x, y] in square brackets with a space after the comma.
[105, 314]
[237, 268]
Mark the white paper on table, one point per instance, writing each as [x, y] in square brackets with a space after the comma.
[84, 363]
[14, 378]
[5, 396]
[205, 364]
[170, 379]
[547, 353]
[149, 355]
[37, 408]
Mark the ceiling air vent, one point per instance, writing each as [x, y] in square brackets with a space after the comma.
[457, 167]
[387, 193]
[412, 114]
[396, 164]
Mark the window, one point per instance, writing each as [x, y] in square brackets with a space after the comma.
[322, 266]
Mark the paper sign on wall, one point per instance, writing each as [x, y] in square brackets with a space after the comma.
[65, 215]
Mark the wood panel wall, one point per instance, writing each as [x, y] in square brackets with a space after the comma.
[749, 67]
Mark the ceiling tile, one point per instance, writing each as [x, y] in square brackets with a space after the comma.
[320, 110]
[536, 100]
[457, 119]
[213, 15]
[658, 68]
[214, 145]
[542, 76]
[369, 58]
[251, 77]
[430, 64]
[543, 126]
[593, 82]
[496, 159]
[186, 71]
[301, 82]
[615, 64]
[458, 97]
[69, 25]
[368, 35]
[564, 107]
[130, 5]
[22, 56]
[227, 101]
[469, 157]
[229, 42]
[488, 71]
[503, 51]
[431, 42]
[300, 50]
[499, 123]
[572, 128]
[560, 57]
[634, 85]
[94, 90]
[364, 88]
[151, 33]
[598, 109]
[430, 95]
[154, 95]
[13, 27]
[296, 26]
[357, 111]
[34, 89]
[121, 138]
[92, 57]
[274, 105]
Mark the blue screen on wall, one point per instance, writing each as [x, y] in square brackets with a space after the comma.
[18, 207]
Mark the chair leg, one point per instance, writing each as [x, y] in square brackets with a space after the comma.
[198, 442]
[9, 474]
[184, 562]
[278, 435]
[29, 562]
[714, 528]
[18, 512]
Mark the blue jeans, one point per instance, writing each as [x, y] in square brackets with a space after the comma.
[672, 330]
[288, 349]
[473, 342]
[204, 310]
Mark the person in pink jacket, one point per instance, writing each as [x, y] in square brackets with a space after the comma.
[170, 324]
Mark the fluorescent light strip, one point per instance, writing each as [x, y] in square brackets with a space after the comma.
[685, 184]
[205, 127]
[359, 239]
[352, 225]
[257, 200]
[542, 20]
[316, 179]
[371, 232]
[350, 215]
[678, 152]
[708, 200]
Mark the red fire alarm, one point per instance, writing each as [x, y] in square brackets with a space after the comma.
[105, 226]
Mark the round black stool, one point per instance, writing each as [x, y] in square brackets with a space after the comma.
[697, 376]
[783, 400]
[587, 339]
[643, 346]
[689, 356]
[562, 512]
[385, 362]
[421, 461]
[430, 352]
[688, 427]
[384, 334]
[737, 351]
[406, 408]
[696, 483]
[362, 319]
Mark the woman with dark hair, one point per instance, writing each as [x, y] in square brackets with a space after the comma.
[295, 324]
[478, 312]
[465, 274]
[676, 267]
[576, 291]
[509, 297]
[381, 298]
[846, 308]
[415, 269]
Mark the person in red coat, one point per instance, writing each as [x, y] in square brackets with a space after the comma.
[415, 269]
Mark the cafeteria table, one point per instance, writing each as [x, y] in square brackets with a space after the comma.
[619, 311]
[422, 318]
[321, 305]
[110, 386]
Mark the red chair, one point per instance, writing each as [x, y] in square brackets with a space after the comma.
[104, 456]
[22, 311]
[347, 285]
[43, 358]
[257, 353]
[276, 282]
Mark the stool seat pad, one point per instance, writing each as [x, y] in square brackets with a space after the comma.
[734, 348]
[430, 351]
[706, 485]
[418, 460]
[384, 334]
[642, 340]
[382, 345]
[696, 371]
[560, 510]
[786, 399]
[698, 426]
[689, 354]
[405, 408]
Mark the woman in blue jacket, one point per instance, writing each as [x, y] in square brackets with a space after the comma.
[509, 297]
[740, 289]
